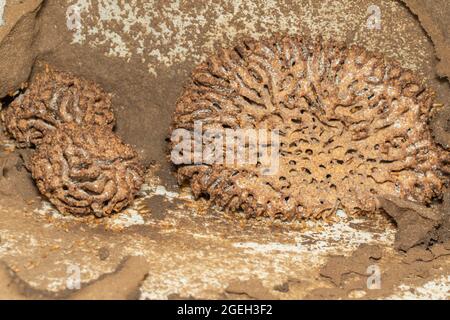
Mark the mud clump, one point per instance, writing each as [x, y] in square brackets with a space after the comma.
[84, 170]
[352, 126]
[54, 98]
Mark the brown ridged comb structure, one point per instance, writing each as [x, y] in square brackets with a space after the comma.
[352, 125]
[86, 170]
[54, 98]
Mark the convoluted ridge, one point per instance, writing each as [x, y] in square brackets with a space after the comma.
[352, 126]
[54, 98]
[84, 170]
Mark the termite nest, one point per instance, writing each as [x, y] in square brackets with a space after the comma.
[352, 126]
